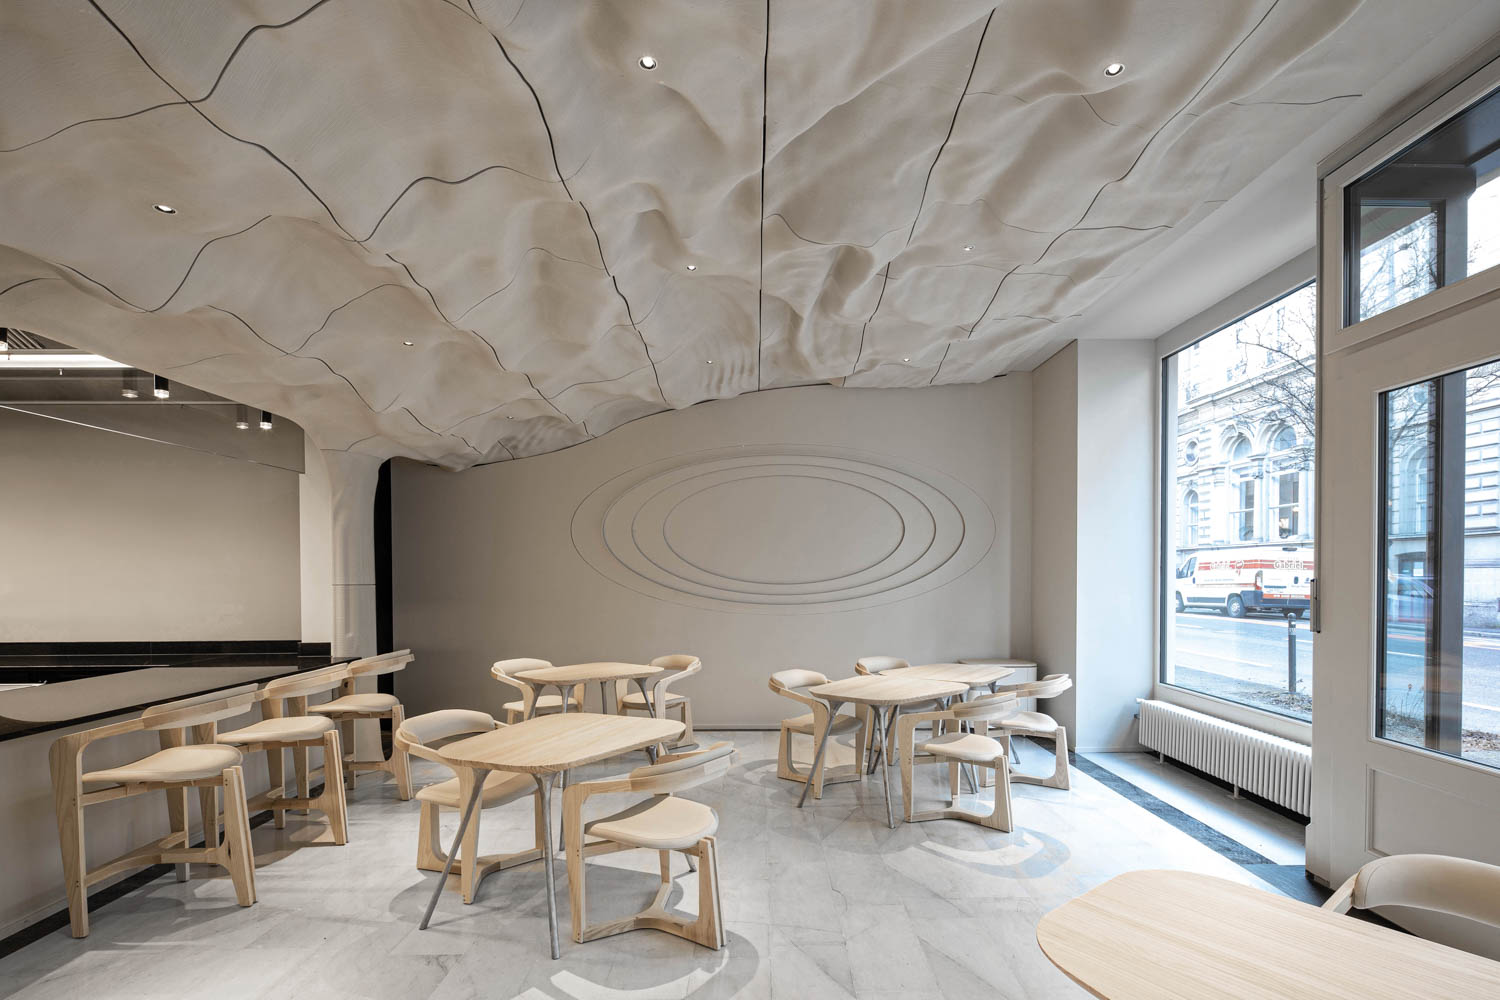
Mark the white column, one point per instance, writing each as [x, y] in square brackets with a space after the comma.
[351, 481]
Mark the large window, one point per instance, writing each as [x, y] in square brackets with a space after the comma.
[1237, 494]
[1439, 667]
[1428, 217]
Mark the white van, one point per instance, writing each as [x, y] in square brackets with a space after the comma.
[1275, 578]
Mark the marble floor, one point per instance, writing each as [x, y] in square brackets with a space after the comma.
[821, 902]
[1279, 838]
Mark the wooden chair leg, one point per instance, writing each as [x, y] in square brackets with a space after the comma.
[952, 781]
[1060, 778]
[577, 892]
[177, 820]
[241, 859]
[687, 721]
[430, 856]
[468, 857]
[708, 928]
[67, 791]
[400, 760]
[346, 740]
[276, 769]
[1000, 818]
[208, 808]
[336, 805]
[302, 770]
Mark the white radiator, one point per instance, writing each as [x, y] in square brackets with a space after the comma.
[1265, 765]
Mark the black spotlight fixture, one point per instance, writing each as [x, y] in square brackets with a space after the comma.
[265, 420]
[160, 387]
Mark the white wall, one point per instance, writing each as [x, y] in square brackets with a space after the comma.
[316, 541]
[1054, 538]
[111, 538]
[761, 532]
[1093, 411]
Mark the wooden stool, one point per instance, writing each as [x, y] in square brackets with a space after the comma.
[288, 726]
[351, 707]
[180, 766]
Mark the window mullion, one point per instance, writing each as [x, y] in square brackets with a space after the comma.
[1445, 658]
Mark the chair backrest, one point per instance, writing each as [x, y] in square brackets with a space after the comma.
[419, 733]
[1456, 886]
[991, 706]
[679, 663]
[683, 770]
[1048, 687]
[200, 709]
[786, 681]
[303, 684]
[505, 670]
[385, 663]
[875, 664]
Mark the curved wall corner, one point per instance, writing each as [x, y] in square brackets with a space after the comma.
[782, 529]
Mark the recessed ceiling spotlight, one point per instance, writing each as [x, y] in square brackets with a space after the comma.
[165, 209]
[708, 362]
[129, 393]
[242, 417]
[906, 359]
[648, 62]
[1114, 69]
[969, 248]
[408, 343]
[692, 267]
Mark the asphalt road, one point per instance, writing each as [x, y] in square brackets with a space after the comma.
[1255, 649]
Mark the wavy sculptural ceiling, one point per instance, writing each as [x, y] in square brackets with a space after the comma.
[849, 191]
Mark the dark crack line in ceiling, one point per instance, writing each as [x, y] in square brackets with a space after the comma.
[760, 291]
[219, 128]
[1108, 184]
[926, 183]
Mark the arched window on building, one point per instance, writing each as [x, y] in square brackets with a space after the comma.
[1286, 509]
[1190, 519]
[1415, 499]
[1243, 480]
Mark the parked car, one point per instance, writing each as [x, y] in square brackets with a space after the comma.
[1239, 581]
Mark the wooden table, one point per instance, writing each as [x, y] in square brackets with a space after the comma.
[543, 747]
[973, 675]
[1167, 935]
[884, 695]
[604, 674]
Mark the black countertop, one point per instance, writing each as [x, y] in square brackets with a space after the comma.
[64, 685]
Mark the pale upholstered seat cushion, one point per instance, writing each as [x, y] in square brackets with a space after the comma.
[354, 704]
[637, 700]
[171, 764]
[970, 747]
[499, 787]
[290, 729]
[661, 824]
[841, 724]
[1030, 722]
[542, 701]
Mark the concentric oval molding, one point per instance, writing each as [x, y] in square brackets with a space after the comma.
[782, 529]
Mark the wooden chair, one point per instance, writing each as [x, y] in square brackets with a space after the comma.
[679, 666]
[287, 725]
[418, 736]
[1039, 724]
[958, 748]
[1434, 882]
[189, 759]
[664, 823]
[867, 665]
[352, 706]
[793, 684]
[504, 671]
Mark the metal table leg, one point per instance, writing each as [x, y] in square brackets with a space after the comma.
[544, 785]
[458, 839]
[833, 710]
[650, 707]
[889, 730]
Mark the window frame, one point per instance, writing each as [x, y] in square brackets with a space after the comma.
[1340, 327]
[1295, 275]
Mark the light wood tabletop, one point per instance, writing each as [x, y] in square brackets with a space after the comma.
[549, 744]
[886, 690]
[1000, 661]
[969, 674]
[587, 673]
[1169, 935]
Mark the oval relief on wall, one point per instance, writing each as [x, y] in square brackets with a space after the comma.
[782, 529]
